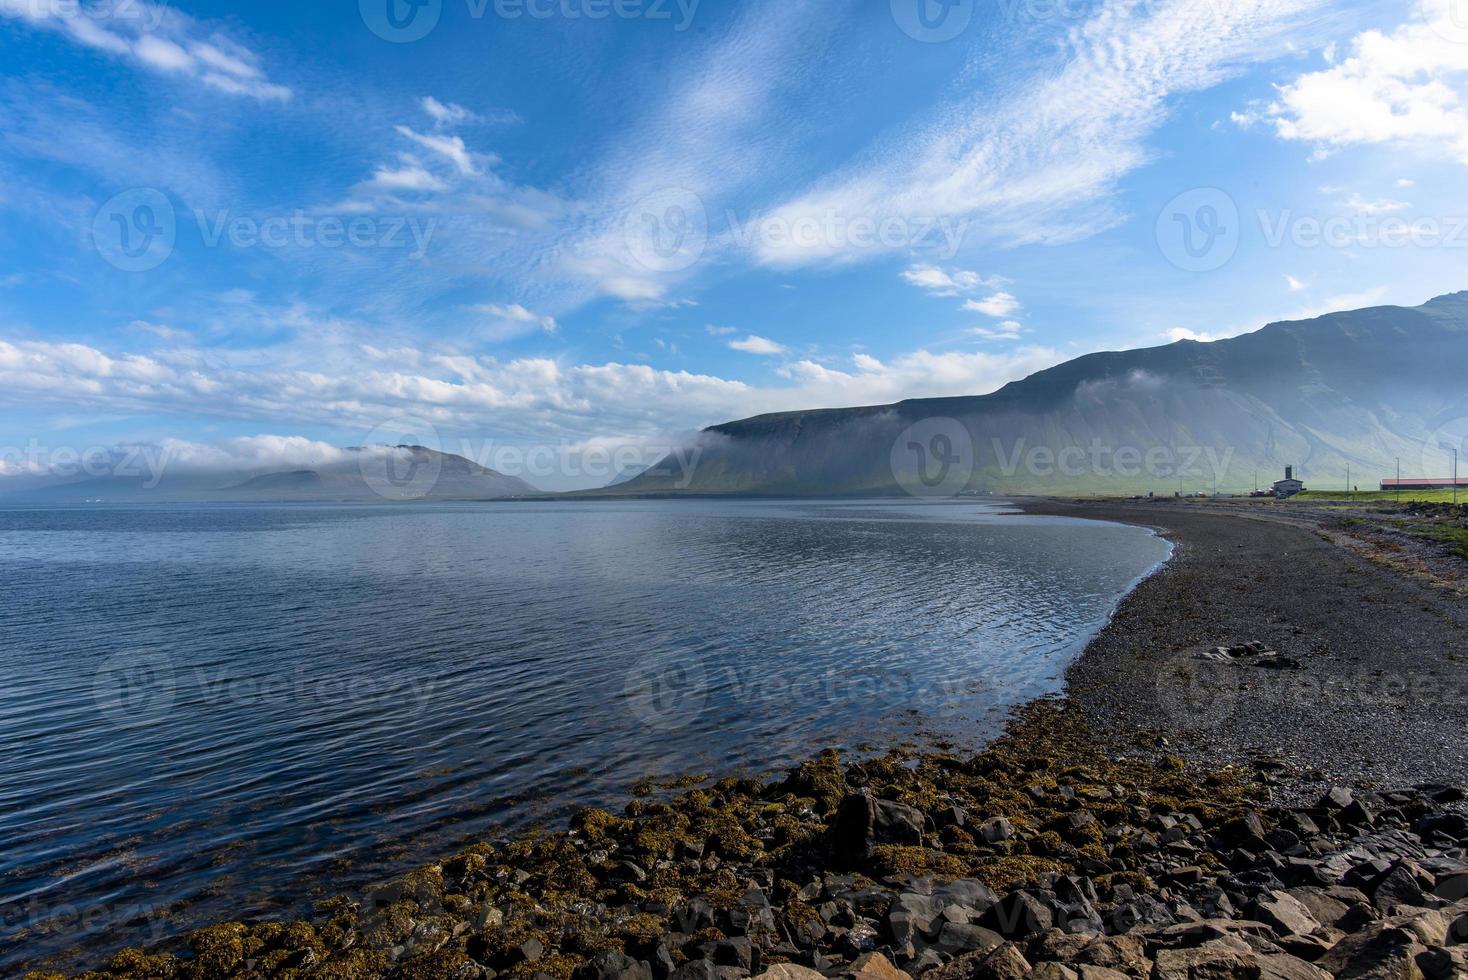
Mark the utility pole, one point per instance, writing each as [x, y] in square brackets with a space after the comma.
[1348, 481]
[1399, 479]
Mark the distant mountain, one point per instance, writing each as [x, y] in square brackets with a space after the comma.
[397, 473]
[628, 474]
[1358, 389]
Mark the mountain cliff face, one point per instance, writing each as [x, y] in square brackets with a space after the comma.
[1357, 389]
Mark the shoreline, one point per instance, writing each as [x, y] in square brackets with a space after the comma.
[1381, 694]
[824, 867]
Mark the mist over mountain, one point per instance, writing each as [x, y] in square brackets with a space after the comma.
[1355, 389]
[362, 474]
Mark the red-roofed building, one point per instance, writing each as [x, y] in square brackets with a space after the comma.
[1425, 483]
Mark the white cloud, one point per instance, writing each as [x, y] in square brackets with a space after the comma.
[998, 305]
[451, 148]
[716, 331]
[757, 345]
[446, 113]
[948, 282]
[163, 54]
[355, 389]
[1377, 207]
[409, 177]
[1406, 183]
[1183, 333]
[513, 321]
[1406, 87]
[1295, 285]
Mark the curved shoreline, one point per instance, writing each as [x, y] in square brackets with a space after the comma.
[1382, 694]
[718, 844]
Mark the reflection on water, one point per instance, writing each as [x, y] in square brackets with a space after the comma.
[226, 710]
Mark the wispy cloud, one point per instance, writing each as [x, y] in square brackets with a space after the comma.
[512, 320]
[451, 148]
[158, 38]
[1039, 163]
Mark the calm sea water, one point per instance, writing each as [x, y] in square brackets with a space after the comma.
[214, 711]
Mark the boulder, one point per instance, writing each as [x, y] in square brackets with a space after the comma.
[790, 971]
[1221, 959]
[1327, 906]
[694, 970]
[956, 939]
[1401, 885]
[1443, 964]
[1283, 913]
[863, 821]
[873, 966]
[1099, 973]
[1383, 952]
[1282, 966]
[1053, 971]
[996, 830]
[1020, 914]
[1004, 963]
[1124, 954]
[612, 965]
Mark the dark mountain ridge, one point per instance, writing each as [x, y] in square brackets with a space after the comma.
[1354, 389]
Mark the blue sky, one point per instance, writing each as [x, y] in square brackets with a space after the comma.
[251, 232]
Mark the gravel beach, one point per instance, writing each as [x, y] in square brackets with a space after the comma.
[1382, 690]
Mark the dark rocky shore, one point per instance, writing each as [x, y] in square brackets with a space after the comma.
[1184, 813]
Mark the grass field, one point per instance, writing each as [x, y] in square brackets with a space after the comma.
[1389, 496]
